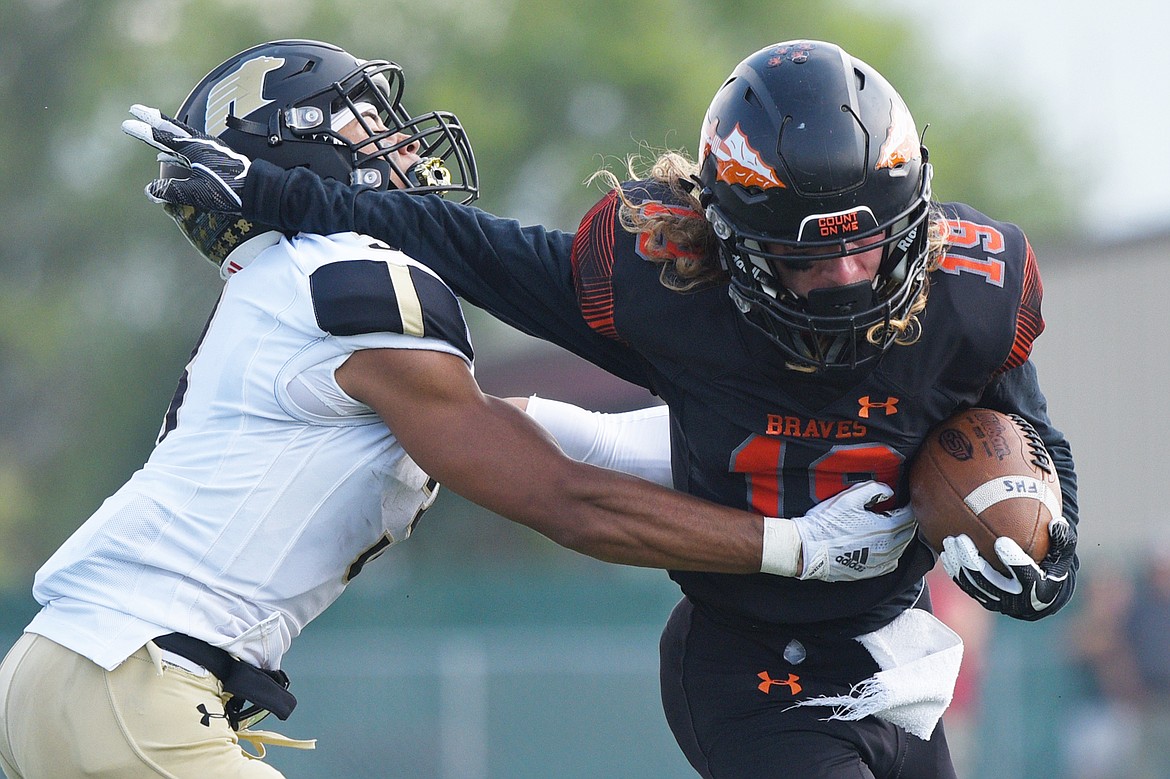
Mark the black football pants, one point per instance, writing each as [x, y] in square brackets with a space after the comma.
[728, 695]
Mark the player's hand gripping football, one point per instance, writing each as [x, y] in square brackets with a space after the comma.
[201, 171]
[844, 538]
[1029, 591]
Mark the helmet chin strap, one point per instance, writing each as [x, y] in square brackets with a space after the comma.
[841, 301]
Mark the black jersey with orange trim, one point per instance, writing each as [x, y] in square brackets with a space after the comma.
[746, 430]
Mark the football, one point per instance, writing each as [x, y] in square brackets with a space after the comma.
[987, 475]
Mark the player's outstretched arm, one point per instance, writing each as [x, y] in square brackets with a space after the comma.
[493, 454]
[840, 539]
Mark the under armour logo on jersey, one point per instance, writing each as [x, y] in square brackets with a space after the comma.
[889, 406]
[855, 559]
[792, 683]
[205, 720]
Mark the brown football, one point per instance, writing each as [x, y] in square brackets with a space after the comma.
[988, 475]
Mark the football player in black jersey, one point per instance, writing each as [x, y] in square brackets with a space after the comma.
[808, 312]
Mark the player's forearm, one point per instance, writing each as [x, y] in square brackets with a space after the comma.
[429, 228]
[520, 275]
[621, 519]
[308, 204]
[599, 512]
[1018, 392]
[606, 514]
[495, 455]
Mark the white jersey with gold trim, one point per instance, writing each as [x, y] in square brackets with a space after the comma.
[269, 487]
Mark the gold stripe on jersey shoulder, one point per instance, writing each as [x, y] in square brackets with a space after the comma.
[409, 307]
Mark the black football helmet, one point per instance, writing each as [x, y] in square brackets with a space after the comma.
[807, 148]
[285, 102]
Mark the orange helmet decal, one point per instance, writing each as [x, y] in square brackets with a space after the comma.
[736, 161]
[901, 144]
[795, 51]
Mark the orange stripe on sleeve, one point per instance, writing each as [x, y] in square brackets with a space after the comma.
[1029, 322]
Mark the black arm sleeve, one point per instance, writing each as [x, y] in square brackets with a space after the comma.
[520, 275]
[1017, 391]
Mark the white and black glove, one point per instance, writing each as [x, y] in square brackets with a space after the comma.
[840, 539]
[1029, 591]
[200, 170]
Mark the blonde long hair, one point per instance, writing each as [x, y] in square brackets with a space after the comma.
[697, 265]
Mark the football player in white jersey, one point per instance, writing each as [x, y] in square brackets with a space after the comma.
[331, 388]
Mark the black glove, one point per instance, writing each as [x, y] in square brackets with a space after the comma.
[1030, 591]
[198, 170]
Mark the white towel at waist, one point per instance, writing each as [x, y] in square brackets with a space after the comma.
[919, 658]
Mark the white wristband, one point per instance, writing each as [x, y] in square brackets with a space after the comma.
[782, 548]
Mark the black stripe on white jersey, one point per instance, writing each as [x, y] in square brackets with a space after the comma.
[355, 297]
[171, 418]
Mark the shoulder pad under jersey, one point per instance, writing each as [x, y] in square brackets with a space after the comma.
[356, 297]
[994, 264]
[603, 240]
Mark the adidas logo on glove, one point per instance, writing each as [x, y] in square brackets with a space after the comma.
[855, 559]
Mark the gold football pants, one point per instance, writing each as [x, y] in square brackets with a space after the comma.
[63, 716]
